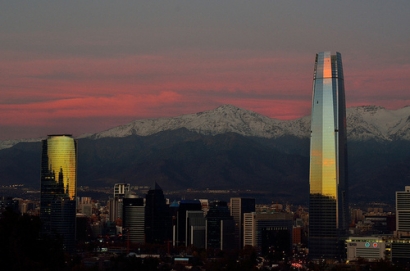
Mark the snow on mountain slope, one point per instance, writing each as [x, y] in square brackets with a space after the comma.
[374, 122]
[224, 119]
[363, 123]
[10, 143]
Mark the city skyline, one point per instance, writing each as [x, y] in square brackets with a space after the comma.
[82, 68]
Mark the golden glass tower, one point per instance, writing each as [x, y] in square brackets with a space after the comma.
[328, 205]
[59, 187]
[59, 163]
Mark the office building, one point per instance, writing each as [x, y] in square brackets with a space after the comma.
[63, 221]
[269, 231]
[403, 211]
[59, 187]
[116, 202]
[220, 227]
[121, 189]
[328, 200]
[400, 246]
[195, 229]
[239, 206]
[158, 220]
[134, 219]
[400, 250]
[180, 232]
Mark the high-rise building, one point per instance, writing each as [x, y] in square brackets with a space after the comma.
[403, 211]
[195, 228]
[120, 189]
[59, 166]
[328, 200]
[134, 219]
[158, 220]
[400, 247]
[220, 227]
[59, 187]
[63, 221]
[116, 203]
[180, 235]
[238, 207]
[268, 231]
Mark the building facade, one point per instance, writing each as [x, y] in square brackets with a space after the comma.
[220, 227]
[158, 221]
[328, 200]
[195, 229]
[180, 232]
[134, 219]
[59, 187]
[370, 248]
[403, 211]
[238, 207]
[267, 231]
[116, 203]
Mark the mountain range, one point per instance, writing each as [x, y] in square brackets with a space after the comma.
[230, 148]
[363, 123]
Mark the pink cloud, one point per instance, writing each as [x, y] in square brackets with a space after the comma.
[93, 94]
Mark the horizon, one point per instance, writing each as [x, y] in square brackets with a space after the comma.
[82, 67]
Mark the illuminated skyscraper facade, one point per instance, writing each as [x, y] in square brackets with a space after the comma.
[59, 165]
[328, 201]
[58, 187]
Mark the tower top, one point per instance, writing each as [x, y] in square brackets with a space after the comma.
[52, 135]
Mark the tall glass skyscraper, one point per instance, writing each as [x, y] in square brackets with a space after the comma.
[328, 201]
[59, 187]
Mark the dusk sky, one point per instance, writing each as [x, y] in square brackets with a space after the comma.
[86, 66]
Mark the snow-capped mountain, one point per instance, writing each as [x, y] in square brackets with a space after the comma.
[224, 119]
[375, 122]
[10, 143]
[363, 123]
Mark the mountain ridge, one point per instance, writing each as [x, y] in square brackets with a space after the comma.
[363, 123]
